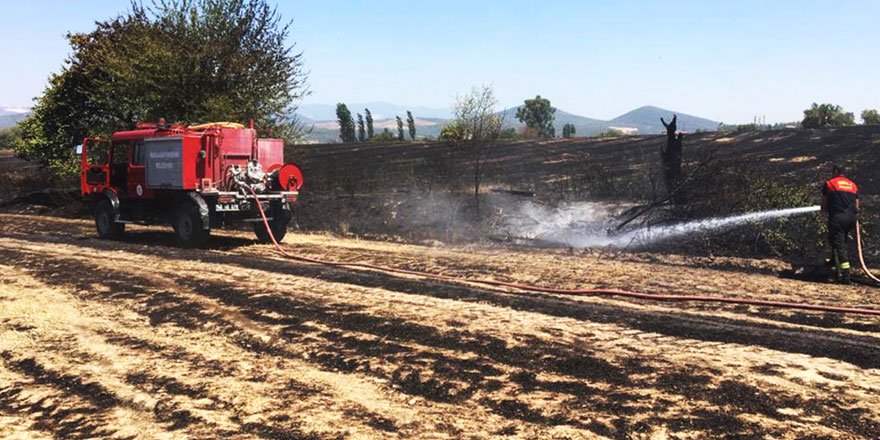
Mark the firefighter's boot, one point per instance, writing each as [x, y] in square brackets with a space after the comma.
[844, 277]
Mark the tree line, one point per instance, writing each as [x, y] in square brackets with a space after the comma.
[365, 131]
[830, 115]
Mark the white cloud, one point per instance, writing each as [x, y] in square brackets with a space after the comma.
[9, 109]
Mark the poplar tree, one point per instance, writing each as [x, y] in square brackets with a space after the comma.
[411, 125]
[362, 134]
[369, 117]
[346, 123]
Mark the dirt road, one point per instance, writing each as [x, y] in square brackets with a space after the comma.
[140, 339]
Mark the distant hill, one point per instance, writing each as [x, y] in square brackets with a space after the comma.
[642, 121]
[584, 126]
[9, 116]
[304, 119]
[647, 120]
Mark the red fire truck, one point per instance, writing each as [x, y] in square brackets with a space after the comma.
[194, 177]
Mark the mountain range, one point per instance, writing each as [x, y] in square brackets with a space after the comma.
[320, 119]
[643, 120]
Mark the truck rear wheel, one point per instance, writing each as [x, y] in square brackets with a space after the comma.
[188, 228]
[278, 223]
[105, 221]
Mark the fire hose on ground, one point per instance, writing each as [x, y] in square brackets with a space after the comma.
[861, 257]
[577, 292]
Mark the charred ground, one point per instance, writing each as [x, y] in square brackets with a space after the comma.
[420, 191]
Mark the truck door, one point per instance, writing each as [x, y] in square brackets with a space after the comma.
[137, 187]
[119, 165]
[95, 170]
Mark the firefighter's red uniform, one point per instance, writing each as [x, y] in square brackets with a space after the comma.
[840, 201]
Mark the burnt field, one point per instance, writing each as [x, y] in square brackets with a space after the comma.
[141, 339]
[421, 191]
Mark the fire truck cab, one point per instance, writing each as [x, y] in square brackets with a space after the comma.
[194, 177]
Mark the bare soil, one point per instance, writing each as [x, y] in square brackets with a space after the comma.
[140, 339]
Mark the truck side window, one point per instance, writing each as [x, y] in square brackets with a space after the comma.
[97, 152]
[139, 154]
[120, 152]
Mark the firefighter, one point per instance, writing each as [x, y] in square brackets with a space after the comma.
[840, 200]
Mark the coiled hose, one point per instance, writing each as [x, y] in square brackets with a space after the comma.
[573, 292]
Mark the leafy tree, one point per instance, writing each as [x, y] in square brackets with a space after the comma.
[826, 115]
[399, 129]
[362, 134]
[346, 123]
[870, 117]
[384, 136]
[475, 128]
[568, 130]
[369, 123]
[8, 137]
[187, 61]
[411, 125]
[453, 131]
[508, 133]
[538, 115]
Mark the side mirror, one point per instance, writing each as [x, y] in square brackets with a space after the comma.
[79, 150]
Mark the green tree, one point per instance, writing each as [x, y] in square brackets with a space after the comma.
[476, 128]
[508, 133]
[346, 123]
[538, 115]
[384, 136]
[870, 117]
[369, 117]
[454, 132]
[411, 125]
[568, 130]
[399, 129]
[186, 61]
[826, 115]
[362, 134]
[8, 137]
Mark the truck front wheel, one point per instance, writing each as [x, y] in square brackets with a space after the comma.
[105, 221]
[188, 226]
[280, 218]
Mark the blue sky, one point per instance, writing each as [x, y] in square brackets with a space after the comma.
[725, 60]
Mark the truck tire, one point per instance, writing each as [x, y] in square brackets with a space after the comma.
[187, 224]
[278, 223]
[105, 221]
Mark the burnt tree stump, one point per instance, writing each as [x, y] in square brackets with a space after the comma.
[671, 159]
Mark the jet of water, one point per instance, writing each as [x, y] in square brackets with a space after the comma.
[654, 234]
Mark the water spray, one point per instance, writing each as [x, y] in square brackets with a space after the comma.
[580, 227]
[655, 234]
